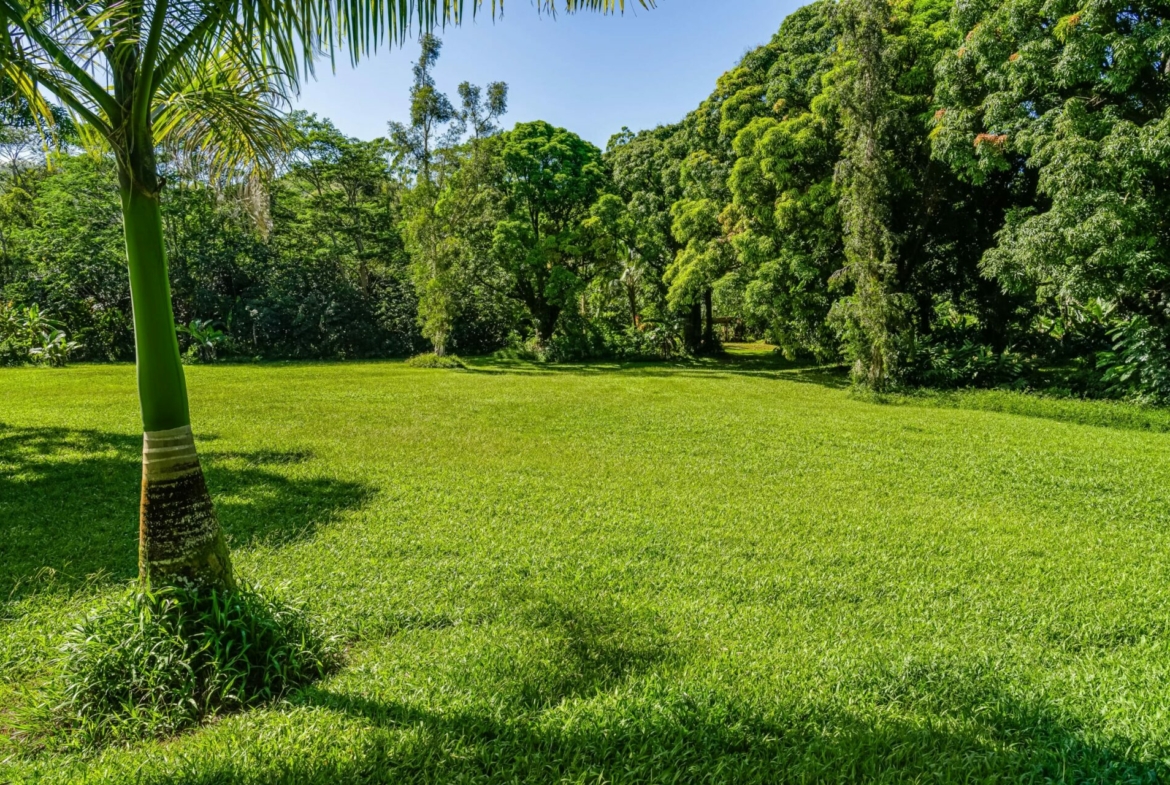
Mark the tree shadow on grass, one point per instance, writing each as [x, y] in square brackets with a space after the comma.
[558, 652]
[69, 502]
[597, 705]
[895, 725]
[705, 739]
[763, 366]
[578, 648]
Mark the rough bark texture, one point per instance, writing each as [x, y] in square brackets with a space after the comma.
[179, 535]
[709, 343]
[693, 328]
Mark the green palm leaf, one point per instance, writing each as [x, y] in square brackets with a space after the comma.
[227, 115]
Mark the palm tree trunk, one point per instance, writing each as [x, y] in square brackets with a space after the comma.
[179, 534]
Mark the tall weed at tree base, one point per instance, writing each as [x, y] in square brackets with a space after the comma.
[153, 663]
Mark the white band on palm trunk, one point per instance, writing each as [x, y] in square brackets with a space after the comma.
[178, 522]
[167, 455]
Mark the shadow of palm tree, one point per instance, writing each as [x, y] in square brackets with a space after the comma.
[920, 725]
[598, 707]
[69, 501]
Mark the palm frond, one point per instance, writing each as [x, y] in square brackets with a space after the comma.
[358, 28]
[227, 114]
[62, 44]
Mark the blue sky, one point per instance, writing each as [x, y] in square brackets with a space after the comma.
[588, 73]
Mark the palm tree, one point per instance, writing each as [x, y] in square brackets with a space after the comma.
[206, 77]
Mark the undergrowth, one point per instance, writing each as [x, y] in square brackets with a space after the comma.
[152, 663]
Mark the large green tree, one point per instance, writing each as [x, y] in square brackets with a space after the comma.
[1070, 102]
[427, 151]
[344, 183]
[788, 232]
[205, 77]
[547, 180]
[642, 169]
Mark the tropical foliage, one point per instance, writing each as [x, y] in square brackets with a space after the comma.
[929, 193]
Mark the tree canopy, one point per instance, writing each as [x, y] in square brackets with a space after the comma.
[930, 193]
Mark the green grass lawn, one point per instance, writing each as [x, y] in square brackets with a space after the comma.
[729, 571]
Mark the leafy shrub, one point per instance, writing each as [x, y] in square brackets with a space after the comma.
[655, 341]
[579, 341]
[30, 334]
[969, 364]
[54, 349]
[1139, 364]
[954, 355]
[576, 339]
[14, 345]
[203, 340]
[34, 321]
[154, 663]
[432, 360]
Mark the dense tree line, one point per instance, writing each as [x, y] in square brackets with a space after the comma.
[933, 193]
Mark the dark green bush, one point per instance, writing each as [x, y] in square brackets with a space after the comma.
[154, 663]
[969, 364]
[955, 354]
[1139, 364]
[579, 340]
[660, 341]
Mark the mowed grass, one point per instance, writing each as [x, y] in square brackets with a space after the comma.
[728, 571]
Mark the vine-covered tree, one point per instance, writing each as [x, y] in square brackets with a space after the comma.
[871, 316]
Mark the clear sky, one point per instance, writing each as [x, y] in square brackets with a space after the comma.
[588, 73]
